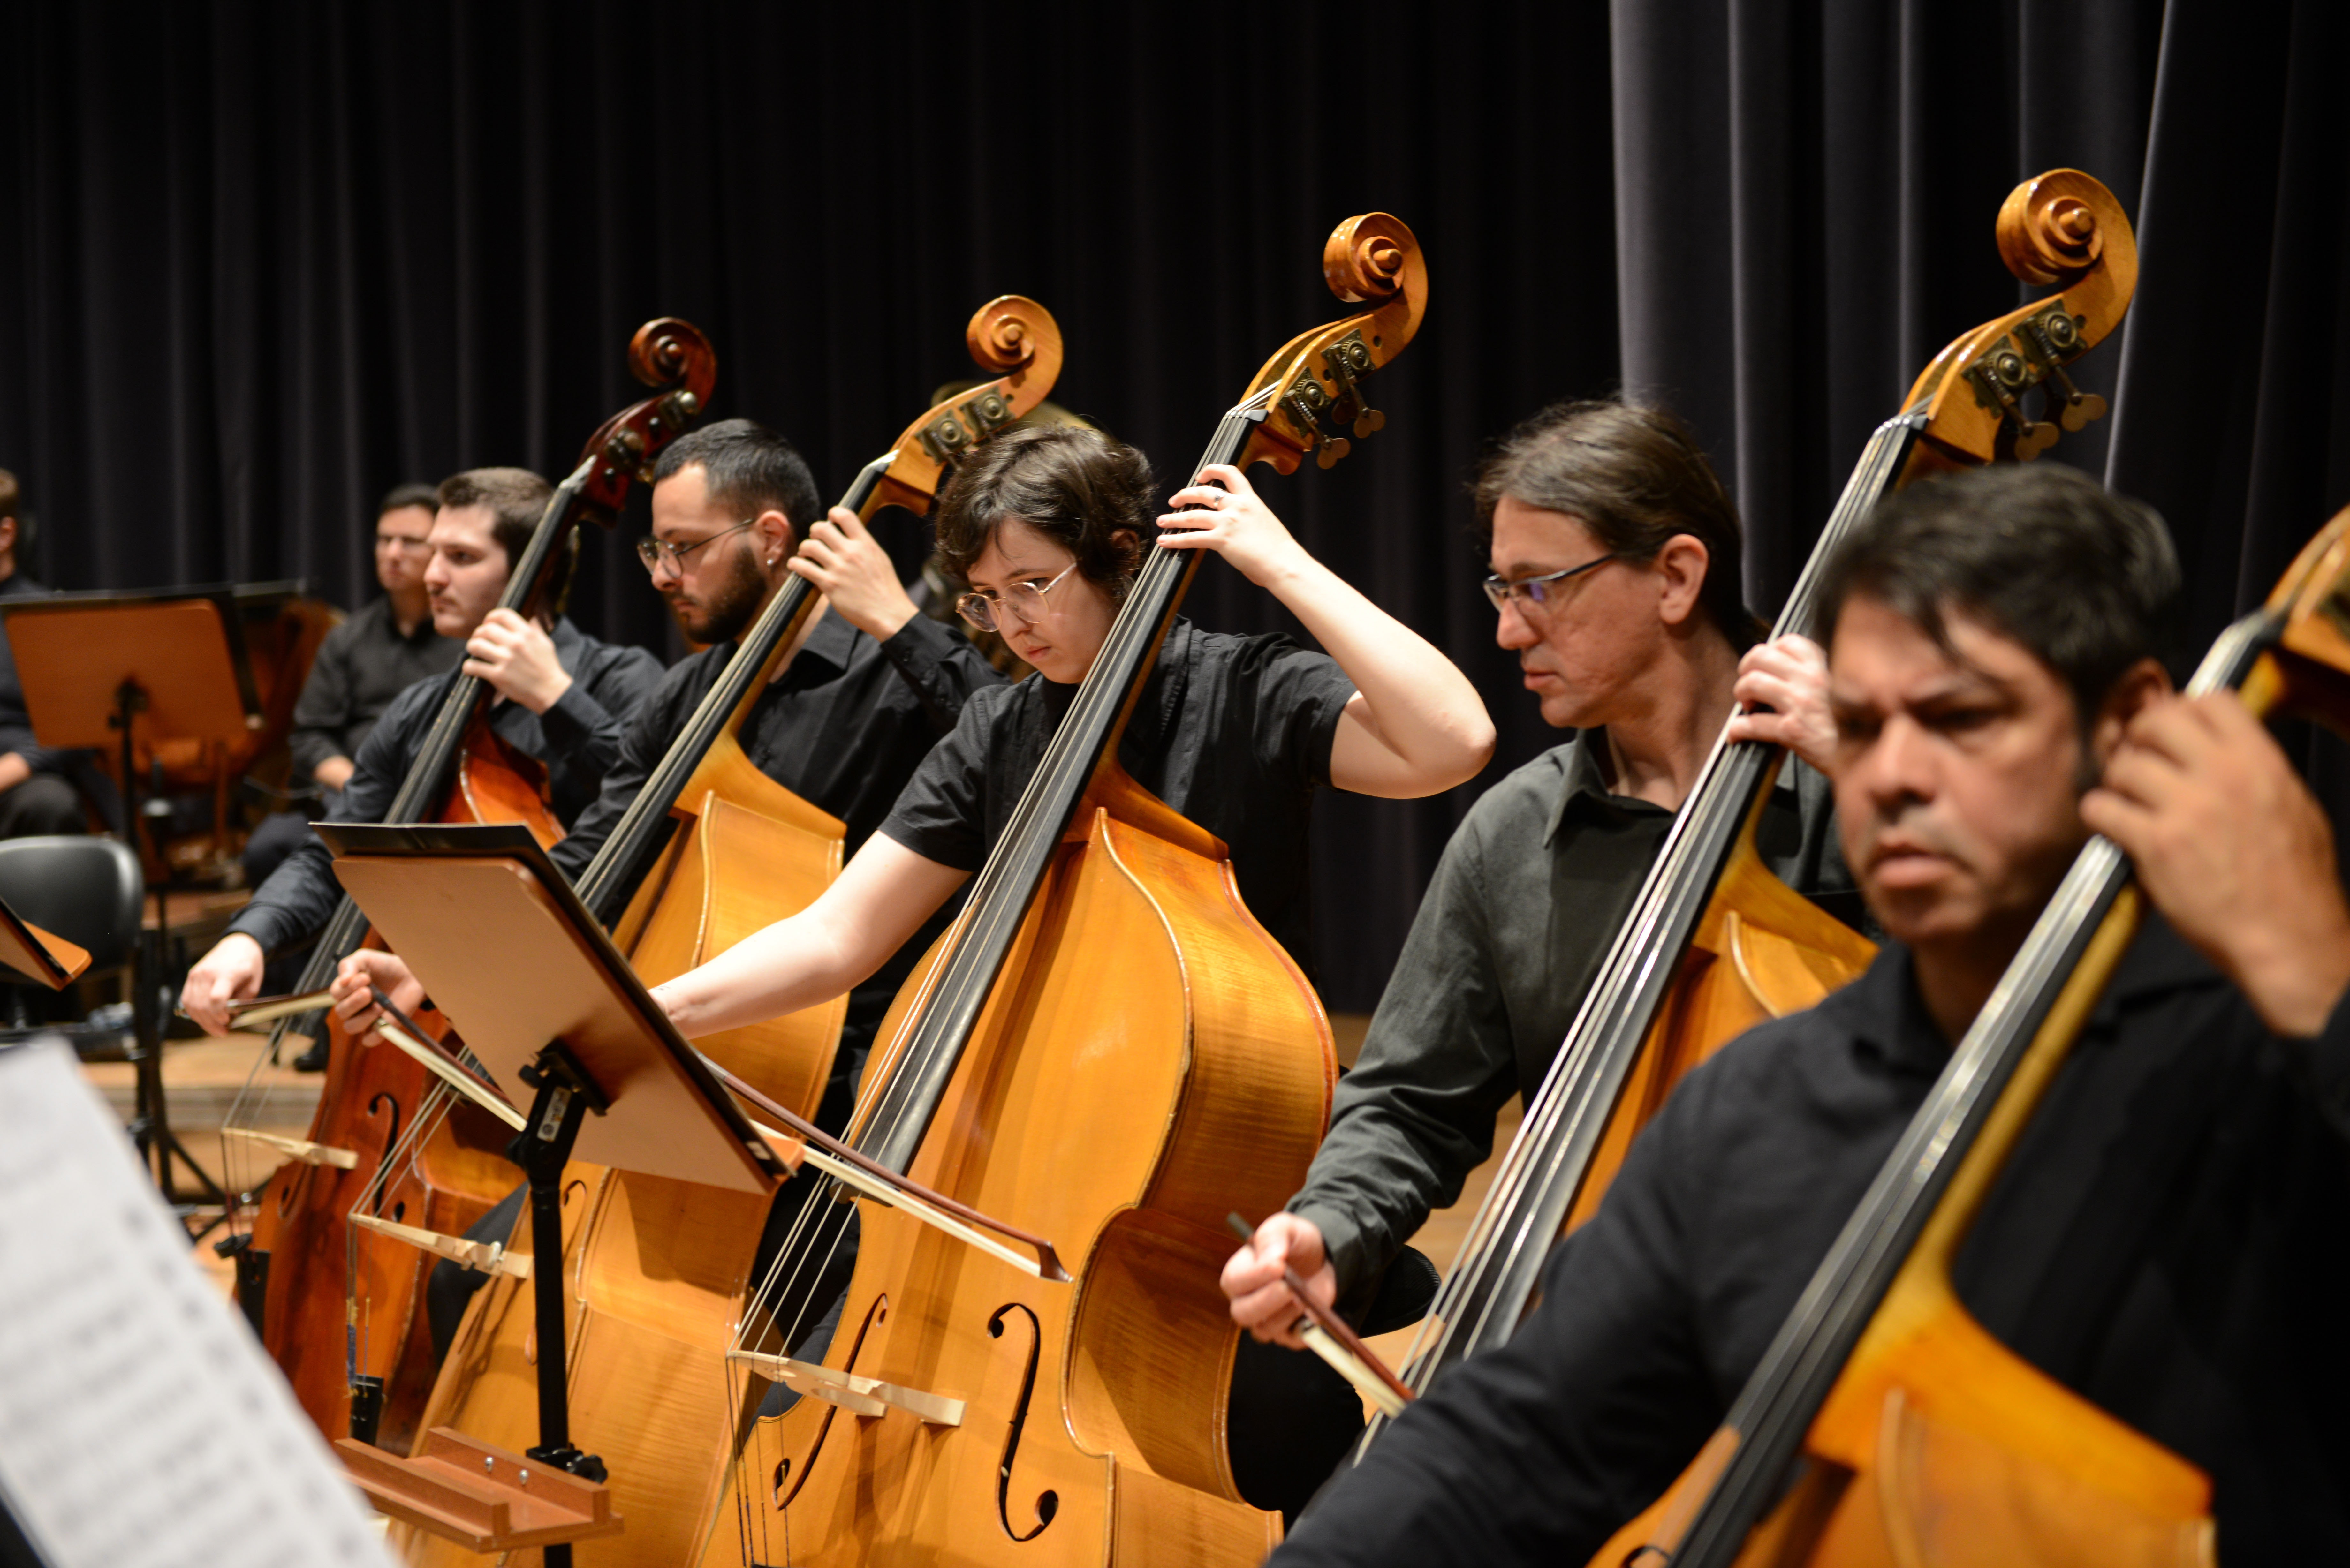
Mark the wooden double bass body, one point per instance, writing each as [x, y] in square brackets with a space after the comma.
[1107, 1050]
[1921, 1439]
[1715, 943]
[658, 1270]
[337, 1305]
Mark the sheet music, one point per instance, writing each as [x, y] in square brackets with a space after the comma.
[141, 1424]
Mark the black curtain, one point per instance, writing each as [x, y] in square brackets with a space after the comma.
[262, 262]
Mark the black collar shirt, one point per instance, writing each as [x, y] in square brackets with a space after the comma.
[2166, 1239]
[362, 665]
[578, 739]
[1234, 733]
[844, 728]
[1510, 936]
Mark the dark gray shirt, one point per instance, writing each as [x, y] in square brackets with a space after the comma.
[362, 666]
[579, 738]
[2165, 1241]
[1519, 916]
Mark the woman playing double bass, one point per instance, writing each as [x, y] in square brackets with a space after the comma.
[1050, 528]
[1615, 551]
[2165, 1239]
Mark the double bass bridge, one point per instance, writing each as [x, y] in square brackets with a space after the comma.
[857, 1396]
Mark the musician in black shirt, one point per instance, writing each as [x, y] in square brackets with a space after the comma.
[2167, 1238]
[385, 647]
[848, 718]
[1234, 733]
[42, 789]
[562, 695]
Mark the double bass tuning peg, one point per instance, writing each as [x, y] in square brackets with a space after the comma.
[2074, 409]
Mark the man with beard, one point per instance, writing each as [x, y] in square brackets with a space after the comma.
[854, 709]
[2163, 1240]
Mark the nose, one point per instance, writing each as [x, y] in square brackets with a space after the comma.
[665, 564]
[1898, 766]
[1511, 627]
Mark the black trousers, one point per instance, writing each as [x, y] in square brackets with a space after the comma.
[43, 803]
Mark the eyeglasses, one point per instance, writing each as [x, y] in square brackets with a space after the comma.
[1533, 594]
[1024, 600]
[652, 552]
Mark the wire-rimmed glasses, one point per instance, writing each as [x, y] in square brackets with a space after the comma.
[652, 552]
[1025, 601]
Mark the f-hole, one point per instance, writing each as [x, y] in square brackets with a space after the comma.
[381, 1105]
[1049, 1503]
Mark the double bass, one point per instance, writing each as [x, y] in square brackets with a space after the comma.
[1105, 1049]
[658, 1270]
[340, 1312]
[1921, 1438]
[1714, 943]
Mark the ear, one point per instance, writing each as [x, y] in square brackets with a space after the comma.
[1681, 568]
[775, 535]
[2141, 686]
[1129, 548]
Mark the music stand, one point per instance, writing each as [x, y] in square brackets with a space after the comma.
[552, 1004]
[90, 665]
[42, 957]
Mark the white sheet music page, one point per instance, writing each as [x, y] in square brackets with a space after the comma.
[141, 1424]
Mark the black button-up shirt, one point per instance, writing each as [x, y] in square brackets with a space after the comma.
[2167, 1240]
[1234, 733]
[362, 665]
[578, 739]
[844, 728]
[1515, 923]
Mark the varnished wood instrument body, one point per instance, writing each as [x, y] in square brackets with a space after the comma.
[1160, 1063]
[1746, 947]
[658, 1271]
[1107, 1049]
[1935, 1443]
[340, 1304]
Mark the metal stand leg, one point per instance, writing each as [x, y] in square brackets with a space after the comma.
[150, 1126]
[543, 1149]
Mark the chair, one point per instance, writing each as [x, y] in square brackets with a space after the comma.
[86, 890]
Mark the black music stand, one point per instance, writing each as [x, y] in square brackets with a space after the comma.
[92, 665]
[550, 1004]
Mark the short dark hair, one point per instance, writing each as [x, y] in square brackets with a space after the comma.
[401, 497]
[1088, 492]
[746, 468]
[2083, 579]
[1635, 476]
[516, 499]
